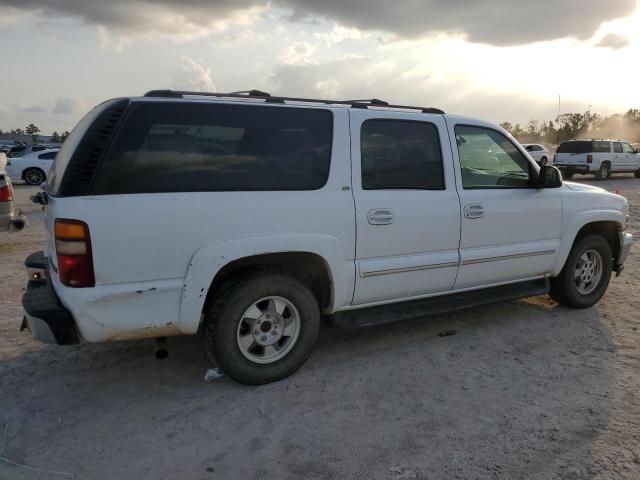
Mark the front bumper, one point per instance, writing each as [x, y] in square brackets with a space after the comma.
[626, 239]
[44, 315]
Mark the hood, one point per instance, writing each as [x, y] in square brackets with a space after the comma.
[580, 187]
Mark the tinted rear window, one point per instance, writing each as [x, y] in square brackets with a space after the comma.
[576, 146]
[190, 147]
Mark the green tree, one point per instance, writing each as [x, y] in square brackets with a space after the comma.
[64, 136]
[507, 126]
[55, 137]
[32, 130]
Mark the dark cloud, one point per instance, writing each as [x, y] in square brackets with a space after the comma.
[498, 22]
[613, 41]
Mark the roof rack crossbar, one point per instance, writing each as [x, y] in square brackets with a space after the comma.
[257, 94]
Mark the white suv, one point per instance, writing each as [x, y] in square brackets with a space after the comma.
[250, 218]
[538, 152]
[598, 157]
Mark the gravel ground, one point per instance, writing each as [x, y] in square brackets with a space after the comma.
[525, 389]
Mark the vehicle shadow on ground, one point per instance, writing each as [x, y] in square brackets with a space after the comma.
[516, 389]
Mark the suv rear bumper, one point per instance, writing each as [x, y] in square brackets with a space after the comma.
[573, 168]
[44, 315]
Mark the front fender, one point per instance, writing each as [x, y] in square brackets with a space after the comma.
[575, 223]
[209, 260]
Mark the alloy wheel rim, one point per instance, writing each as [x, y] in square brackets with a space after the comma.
[34, 177]
[268, 329]
[588, 272]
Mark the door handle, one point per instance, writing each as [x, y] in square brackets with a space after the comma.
[380, 216]
[473, 210]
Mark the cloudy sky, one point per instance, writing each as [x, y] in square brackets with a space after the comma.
[496, 59]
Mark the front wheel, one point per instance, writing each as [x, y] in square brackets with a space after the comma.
[543, 161]
[262, 329]
[585, 275]
[33, 176]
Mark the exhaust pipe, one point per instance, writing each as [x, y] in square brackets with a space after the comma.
[161, 351]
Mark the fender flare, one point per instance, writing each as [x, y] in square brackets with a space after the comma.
[575, 224]
[209, 260]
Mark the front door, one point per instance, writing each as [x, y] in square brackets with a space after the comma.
[407, 207]
[510, 231]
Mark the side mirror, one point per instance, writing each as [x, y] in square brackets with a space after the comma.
[549, 177]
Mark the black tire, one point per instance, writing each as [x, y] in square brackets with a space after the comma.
[636, 174]
[563, 287]
[604, 171]
[567, 175]
[33, 176]
[543, 161]
[222, 323]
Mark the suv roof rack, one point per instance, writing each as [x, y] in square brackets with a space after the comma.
[268, 98]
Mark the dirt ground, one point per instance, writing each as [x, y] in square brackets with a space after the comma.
[525, 389]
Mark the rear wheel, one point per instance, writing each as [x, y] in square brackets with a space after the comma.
[262, 329]
[33, 176]
[604, 171]
[636, 174]
[585, 275]
[567, 175]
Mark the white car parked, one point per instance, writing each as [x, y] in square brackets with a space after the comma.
[32, 168]
[249, 218]
[538, 152]
[597, 157]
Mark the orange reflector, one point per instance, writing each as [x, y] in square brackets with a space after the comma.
[70, 231]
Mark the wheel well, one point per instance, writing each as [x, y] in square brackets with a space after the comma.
[308, 268]
[608, 230]
[24, 172]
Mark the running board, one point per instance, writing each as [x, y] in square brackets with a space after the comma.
[367, 317]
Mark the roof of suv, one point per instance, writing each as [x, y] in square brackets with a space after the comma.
[268, 98]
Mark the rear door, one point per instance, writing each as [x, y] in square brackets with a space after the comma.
[510, 230]
[573, 153]
[407, 207]
[619, 159]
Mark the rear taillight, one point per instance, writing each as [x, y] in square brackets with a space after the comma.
[589, 158]
[73, 249]
[6, 194]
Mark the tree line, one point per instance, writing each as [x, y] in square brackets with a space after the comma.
[33, 131]
[625, 126]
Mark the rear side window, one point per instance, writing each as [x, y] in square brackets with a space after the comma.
[189, 147]
[617, 147]
[400, 154]
[576, 146]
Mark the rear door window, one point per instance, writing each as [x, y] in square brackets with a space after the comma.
[400, 154]
[601, 147]
[617, 147]
[189, 147]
